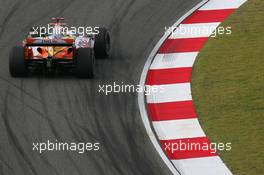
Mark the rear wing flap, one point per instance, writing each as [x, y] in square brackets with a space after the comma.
[49, 44]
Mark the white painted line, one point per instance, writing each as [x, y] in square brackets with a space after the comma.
[222, 4]
[174, 60]
[194, 30]
[178, 129]
[171, 93]
[205, 166]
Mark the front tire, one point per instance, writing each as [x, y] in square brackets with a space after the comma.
[17, 63]
[84, 63]
[102, 43]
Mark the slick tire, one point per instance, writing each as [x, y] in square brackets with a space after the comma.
[102, 44]
[84, 63]
[17, 63]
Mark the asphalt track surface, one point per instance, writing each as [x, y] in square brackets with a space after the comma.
[37, 109]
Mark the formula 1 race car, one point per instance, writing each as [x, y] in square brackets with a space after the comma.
[52, 51]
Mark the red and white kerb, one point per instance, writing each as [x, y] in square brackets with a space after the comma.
[172, 112]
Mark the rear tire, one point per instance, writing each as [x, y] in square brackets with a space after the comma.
[17, 63]
[102, 44]
[84, 63]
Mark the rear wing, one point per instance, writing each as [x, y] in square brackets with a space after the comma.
[42, 42]
[49, 44]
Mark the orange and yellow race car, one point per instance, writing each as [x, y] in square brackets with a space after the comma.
[59, 49]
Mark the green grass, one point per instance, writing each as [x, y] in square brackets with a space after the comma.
[228, 89]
